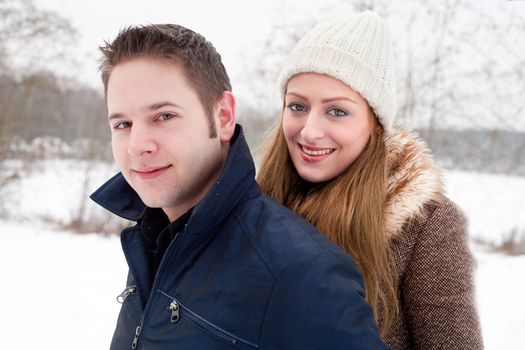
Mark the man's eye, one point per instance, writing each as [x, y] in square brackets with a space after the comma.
[166, 116]
[297, 107]
[122, 125]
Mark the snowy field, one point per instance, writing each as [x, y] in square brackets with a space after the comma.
[59, 288]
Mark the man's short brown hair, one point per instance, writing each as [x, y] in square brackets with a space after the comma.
[200, 61]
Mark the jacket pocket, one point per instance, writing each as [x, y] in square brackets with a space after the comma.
[178, 310]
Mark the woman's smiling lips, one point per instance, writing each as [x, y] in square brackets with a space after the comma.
[312, 154]
[150, 172]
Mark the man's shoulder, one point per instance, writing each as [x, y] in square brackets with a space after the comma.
[263, 216]
[282, 238]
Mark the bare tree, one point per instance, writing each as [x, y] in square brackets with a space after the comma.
[25, 33]
[29, 36]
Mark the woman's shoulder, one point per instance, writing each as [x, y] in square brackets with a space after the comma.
[441, 217]
[441, 227]
[445, 212]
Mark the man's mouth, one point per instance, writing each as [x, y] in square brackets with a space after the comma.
[147, 173]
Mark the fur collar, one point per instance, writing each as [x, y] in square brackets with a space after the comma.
[413, 179]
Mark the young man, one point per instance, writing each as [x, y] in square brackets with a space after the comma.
[213, 263]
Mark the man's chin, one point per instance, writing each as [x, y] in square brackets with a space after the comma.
[151, 201]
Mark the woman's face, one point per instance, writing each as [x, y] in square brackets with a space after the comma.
[326, 125]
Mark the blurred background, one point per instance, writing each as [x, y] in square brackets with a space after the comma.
[460, 68]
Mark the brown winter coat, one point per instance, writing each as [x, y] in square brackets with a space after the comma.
[432, 260]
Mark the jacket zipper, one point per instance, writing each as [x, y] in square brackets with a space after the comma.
[138, 330]
[136, 337]
[175, 315]
[121, 298]
[177, 309]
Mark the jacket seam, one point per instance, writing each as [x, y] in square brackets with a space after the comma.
[290, 266]
[276, 277]
[244, 231]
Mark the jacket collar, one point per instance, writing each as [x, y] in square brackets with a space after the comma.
[236, 178]
[414, 180]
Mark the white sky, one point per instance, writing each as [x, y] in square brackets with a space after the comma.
[229, 24]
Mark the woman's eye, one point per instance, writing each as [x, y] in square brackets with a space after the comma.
[166, 116]
[337, 112]
[122, 125]
[297, 107]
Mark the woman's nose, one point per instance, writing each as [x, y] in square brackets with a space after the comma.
[313, 128]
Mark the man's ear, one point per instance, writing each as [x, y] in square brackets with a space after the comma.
[226, 116]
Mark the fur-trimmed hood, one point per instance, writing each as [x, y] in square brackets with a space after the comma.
[413, 179]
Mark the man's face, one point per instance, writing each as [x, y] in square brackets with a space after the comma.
[160, 135]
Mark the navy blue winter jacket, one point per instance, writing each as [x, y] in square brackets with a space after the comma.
[244, 273]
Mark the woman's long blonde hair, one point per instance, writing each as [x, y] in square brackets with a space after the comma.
[348, 209]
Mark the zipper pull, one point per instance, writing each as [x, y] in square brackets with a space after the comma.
[136, 338]
[174, 307]
[121, 298]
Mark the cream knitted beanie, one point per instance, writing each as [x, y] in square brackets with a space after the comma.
[356, 50]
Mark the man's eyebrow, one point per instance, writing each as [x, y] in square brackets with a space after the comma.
[162, 104]
[115, 116]
[151, 107]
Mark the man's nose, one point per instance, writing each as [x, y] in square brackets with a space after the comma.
[142, 141]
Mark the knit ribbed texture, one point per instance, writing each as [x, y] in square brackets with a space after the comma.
[356, 50]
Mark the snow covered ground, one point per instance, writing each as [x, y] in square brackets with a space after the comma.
[59, 288]
[494, 204]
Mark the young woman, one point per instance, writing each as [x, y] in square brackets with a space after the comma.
[337, 160]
